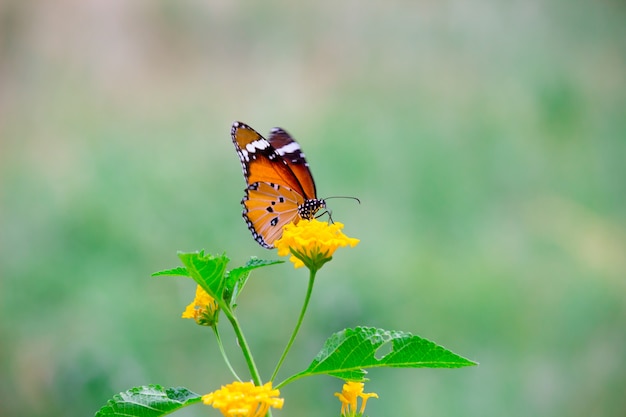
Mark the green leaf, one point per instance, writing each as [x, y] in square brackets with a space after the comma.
[347, 353]
[148, 401]
[237, 278]
[178, 271]
[207, 270]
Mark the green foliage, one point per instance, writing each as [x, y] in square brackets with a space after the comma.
[346, 353]
[148, 401]
[207, 270]
[237, 277]
[210, 273]
[178, 271]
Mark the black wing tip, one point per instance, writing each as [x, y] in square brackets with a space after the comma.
[233, 129]
[239, 125]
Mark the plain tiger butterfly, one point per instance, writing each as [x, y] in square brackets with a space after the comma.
[280, 188]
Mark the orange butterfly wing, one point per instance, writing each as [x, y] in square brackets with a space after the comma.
[280, 185]
[261, 162]
[268, 208]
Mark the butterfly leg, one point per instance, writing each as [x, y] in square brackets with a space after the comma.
[330, 217]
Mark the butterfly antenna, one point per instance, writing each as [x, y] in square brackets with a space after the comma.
[343, 196]
[329, 212]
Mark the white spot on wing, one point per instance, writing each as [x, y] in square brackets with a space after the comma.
[289, 148]
[257, 145]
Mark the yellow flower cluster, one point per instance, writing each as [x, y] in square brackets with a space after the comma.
[349, 396]
[203, 309]
[244, 399]
[312, 243]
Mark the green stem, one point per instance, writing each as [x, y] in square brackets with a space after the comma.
[295, 330]
[223, 352]
[254, 373]
[288, 380]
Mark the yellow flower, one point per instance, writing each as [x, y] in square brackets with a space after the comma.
[348, 397]
[244, 399]
[312, 243]
[203, 309]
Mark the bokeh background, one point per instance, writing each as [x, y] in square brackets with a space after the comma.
[485, 139]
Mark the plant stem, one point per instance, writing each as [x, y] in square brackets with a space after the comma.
[288, 380]
[295, 330]
[223, 352]
[254, 373]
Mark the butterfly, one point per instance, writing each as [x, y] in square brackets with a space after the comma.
[280, 187]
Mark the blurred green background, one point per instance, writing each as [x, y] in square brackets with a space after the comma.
[486, 141]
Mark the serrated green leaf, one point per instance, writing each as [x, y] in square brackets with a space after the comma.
[347, 353]
[207, 270]
[255, 262]
[238, 277]
[178, 271]
[148, 401]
